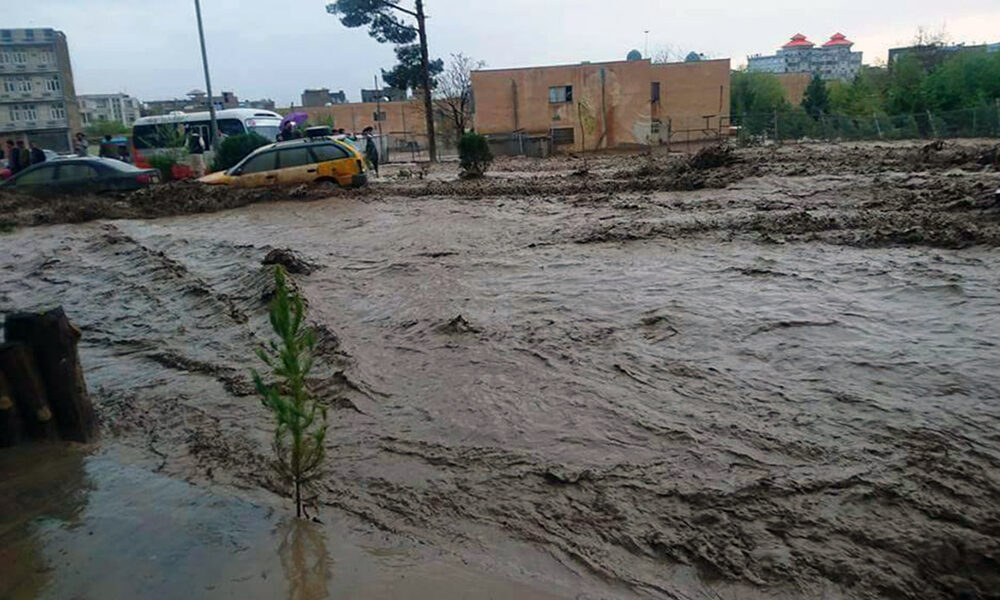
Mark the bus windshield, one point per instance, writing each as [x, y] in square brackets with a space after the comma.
[266, 127]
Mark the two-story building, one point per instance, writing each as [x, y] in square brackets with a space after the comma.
[37, 98]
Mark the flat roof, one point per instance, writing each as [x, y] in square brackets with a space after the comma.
[597, 64]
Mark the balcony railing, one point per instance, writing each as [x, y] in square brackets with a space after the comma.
[35, 125]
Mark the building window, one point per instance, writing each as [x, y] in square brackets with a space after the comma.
[560, 93]
[29, 34]
[655, 126]
[654, 91]
[46, 57]
[20, 57]
[6, 34]
[16, 84]
[52, 84]
[563, 135]
[23, 112]
[379, 116]
[57, 112]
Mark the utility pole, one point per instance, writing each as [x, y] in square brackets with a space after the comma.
[425, 76]
[378, 119]
[645, 50]
[214, 134]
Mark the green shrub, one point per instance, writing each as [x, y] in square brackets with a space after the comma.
[164, 163]
[235, 148]
[474, 155]
[301, 419]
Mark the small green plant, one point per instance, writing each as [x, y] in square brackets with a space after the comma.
[235, 148]
[474, 155]
[164, 163]
[301, 421]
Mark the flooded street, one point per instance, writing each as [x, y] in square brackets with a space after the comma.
[776, 385]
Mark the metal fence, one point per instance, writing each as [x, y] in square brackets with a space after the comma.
[983, 121]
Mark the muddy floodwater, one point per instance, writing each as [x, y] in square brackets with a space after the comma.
[779, 383]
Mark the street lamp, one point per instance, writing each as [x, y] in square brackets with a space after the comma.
[214, 134]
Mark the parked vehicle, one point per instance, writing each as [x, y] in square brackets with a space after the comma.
[80, 175]
[297, 161]
[164, 133]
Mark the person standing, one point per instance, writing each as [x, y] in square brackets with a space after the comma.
[196, 148]
[107, 149]
[37, 154]
[22, 158]
[371, 149]
[80, 144]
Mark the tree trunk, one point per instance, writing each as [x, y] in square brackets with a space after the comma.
[17, 363]
[53, 340]
[425, 77]
[10, 421]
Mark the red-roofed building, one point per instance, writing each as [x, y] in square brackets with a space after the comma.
[834, 60]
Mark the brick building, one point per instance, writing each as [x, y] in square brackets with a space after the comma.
[834, 60]
[322, 97]
[37, 98]
[590, 106]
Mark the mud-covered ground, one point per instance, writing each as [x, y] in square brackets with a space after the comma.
[774, 378]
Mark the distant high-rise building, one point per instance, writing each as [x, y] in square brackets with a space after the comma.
[109, 107]
[834, 60]
[37, 98]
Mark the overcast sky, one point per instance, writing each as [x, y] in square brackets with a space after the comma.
[263, 48]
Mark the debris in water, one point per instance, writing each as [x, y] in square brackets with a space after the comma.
[290, 260]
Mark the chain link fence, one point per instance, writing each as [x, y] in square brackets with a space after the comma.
[983, 121]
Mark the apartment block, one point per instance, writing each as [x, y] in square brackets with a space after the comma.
[590, 106]
[37, 97]
[109, 107]
[834, 60]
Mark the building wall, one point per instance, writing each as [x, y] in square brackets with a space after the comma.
[109, 107]
[690, 92]
[794, 85]
[400, 117]
[832, 64]
[37, 95]
[612, 104]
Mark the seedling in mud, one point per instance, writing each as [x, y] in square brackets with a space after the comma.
[301, 421]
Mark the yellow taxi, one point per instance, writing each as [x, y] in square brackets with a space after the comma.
[296, 161]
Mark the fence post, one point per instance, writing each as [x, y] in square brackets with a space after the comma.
[670, 129]
[777, 136]
[998, 117]
[878, 129]
[930, 121]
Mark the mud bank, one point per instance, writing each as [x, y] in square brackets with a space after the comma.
[722, 392]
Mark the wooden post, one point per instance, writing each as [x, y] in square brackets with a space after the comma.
[17, 363]
[53, 341]
[10, 421]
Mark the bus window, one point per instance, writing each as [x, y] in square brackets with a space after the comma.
[230, 127]
[265, 127]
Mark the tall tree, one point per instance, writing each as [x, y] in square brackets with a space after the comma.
[383, 18]
[409, 72]
[454, 94]
[817, 98]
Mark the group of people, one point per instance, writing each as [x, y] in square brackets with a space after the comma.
[17, 157]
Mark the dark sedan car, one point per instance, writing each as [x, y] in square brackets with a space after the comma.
[80, 175]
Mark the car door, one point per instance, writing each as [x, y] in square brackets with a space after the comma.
[259, 170]
[296, 165]
[335, 162]
[38, 179]
[77, 177]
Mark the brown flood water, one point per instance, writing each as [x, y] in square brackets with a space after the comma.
[721, 393]
[85, 526]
